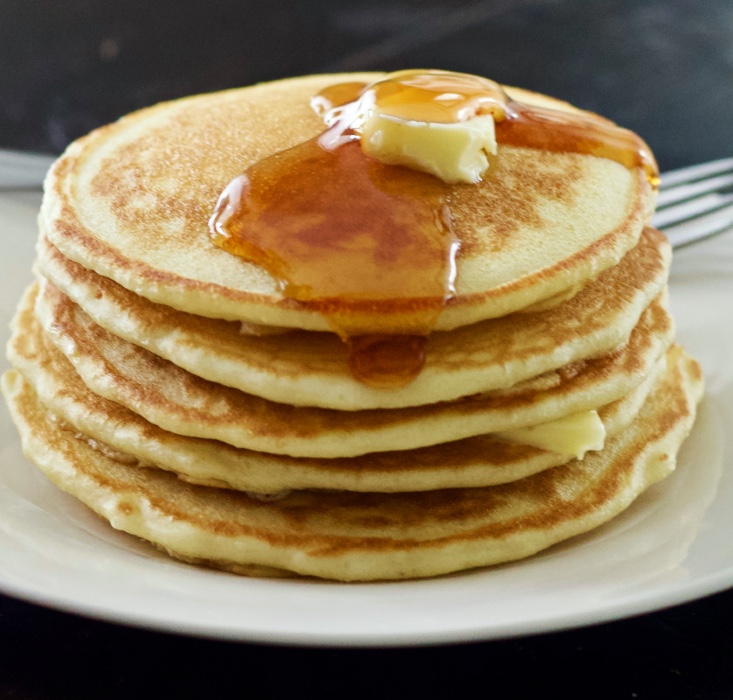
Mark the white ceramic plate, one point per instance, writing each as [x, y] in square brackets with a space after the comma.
[671, 546]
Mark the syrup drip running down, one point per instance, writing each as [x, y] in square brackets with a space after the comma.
[341, 232]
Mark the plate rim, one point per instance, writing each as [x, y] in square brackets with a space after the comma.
[114, 611]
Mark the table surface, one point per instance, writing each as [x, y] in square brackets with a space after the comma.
[661, 67]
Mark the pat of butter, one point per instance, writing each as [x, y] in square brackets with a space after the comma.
[572, 435]
[453, 152]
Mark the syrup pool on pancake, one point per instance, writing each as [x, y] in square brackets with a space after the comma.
[340, 230]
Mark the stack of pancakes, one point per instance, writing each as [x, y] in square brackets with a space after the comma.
[175, 390]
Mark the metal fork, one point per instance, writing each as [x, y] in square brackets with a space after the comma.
[23, 171]
[694, 202]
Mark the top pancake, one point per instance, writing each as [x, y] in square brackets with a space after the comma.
[131, 201]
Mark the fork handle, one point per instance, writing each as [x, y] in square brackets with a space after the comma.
[19, 170]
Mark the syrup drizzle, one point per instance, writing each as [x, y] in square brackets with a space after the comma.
[338, 230]
[445, 97]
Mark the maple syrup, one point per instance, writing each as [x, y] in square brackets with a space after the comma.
[445, 97]
[337, 229]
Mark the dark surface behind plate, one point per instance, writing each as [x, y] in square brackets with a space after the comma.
[662, 68]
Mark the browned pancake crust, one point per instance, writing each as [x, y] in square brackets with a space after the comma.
[482, 357]
[478, 461]
[180, 402]
[372, 536]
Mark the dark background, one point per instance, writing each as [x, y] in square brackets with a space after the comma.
[662, 68]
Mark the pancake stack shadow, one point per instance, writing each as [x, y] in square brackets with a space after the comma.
[171, 388]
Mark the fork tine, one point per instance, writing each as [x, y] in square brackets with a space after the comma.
[678, 213]
[694, 172]
[694, 189]
[701, 227]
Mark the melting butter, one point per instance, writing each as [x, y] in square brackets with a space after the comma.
[438, 122]
[454, 152]
[573, 435]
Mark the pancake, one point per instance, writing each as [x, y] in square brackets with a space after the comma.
[264, 419]
[185, 404]
[130, 201]
[480, 461]
[306, 368]
[349, 536]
